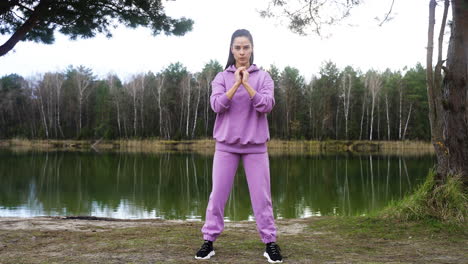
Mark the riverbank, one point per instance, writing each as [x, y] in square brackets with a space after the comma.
[206, 146]
[323, 239]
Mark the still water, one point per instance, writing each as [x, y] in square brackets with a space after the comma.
[177, 186]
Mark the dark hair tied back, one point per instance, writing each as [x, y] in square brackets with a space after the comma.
[239, 33]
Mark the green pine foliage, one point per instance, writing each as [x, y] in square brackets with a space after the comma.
[84, 19]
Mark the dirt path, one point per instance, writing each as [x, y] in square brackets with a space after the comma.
[311, 240]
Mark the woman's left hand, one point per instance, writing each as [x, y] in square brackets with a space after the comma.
[245, 83]
[245, 76]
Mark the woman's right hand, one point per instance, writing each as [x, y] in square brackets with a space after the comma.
[238, 75]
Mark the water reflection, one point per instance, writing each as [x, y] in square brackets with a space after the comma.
[177, 186]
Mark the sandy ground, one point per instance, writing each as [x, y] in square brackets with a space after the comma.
[100, 224]
[48, 240]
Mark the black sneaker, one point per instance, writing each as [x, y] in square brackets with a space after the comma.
[273, 253]
[206, 251]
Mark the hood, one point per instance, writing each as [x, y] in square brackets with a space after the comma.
[251, 69]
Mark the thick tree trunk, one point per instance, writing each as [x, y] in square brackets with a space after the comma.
[454, 90]
[448, 97]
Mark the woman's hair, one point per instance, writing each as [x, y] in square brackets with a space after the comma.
[239, 33]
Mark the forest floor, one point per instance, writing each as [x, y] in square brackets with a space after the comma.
[319, 239]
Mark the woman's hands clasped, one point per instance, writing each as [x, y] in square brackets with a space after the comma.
[242, 77]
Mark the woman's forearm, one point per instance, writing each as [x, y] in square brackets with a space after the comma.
[230, 93]
[249, 89]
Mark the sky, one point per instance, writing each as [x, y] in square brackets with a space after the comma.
[359, 42]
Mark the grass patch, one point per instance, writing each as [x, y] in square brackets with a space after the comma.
[325, 239]
[436, 204]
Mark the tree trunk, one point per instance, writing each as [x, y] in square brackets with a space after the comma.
[142, 100]
[448, 98]
[189, 78]
[388, 117]
[336, 122]
[400, 93]
[362, 115]
[196, 109]
[58, 87]
[118, 118]
[207, 104]
[455, 88]
[346, 98]
[407, 121]
[378, 118]
[135, 113]
[41, 101]
[28, 25]
[160, 86]
[82, 82]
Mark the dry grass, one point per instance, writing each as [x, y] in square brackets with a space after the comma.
[206, 146]
[447, 203]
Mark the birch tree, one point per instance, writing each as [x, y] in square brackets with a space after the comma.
[195, 116]
[82, 78]
[113, 83]
[373, 84]
[346, 84]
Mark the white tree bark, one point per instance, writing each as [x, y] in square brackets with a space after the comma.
[346, 95]
[37, 87]
[141, 92]
[400, 93]
[189, 92]
[115, 97]
[362, 114]
[58, 81]
[82, 82]
[407, 121]
[196, 107]
[374, 84]
[388, 116]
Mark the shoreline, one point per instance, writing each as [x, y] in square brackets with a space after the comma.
[206, 146]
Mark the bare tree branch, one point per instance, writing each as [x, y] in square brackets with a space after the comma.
[387, 17]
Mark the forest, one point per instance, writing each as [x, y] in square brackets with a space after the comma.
[342, 104]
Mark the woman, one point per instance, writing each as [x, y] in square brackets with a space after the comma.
[241, 96]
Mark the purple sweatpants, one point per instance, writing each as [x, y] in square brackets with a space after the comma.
[257, 171]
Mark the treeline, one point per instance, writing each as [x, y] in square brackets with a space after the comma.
[174, 104]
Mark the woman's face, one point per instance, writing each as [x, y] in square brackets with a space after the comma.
[242, 50]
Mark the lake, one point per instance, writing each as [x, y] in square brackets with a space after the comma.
[177, 185]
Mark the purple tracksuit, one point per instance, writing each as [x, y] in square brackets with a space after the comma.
[241, 132]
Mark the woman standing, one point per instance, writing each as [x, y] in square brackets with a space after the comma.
[241, 96]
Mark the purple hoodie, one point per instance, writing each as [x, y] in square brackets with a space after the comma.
[242, 121]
